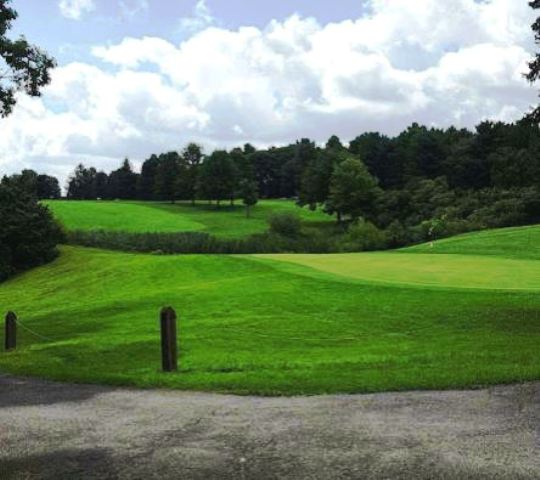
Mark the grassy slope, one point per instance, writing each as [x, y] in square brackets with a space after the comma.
[453, 271]
[521, 242]
[164, 217]
[253, 326]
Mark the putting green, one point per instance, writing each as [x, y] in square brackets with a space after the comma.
[441, 270]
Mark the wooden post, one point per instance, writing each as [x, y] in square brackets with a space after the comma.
[11, 332]
[169, 349]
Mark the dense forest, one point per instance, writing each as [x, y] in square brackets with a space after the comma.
[424, 182]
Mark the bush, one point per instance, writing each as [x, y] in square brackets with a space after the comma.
[28, 232]
[363, 236]
[396, 235]
[287, 224]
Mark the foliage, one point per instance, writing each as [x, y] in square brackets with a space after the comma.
[38, 185]
[287, 224]
[353, 190]
[28, 233]
[170, 170]
[534, 66]
[363, 236]
[249, 194]
[218, 177]
[26, 68]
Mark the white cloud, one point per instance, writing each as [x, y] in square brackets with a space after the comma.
[75, 9]
[202, 17]
[130, 8]
[424, 61]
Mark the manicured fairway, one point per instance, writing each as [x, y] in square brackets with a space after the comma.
[226, 221]
[444, 270]
[521, 242]
[251, 325]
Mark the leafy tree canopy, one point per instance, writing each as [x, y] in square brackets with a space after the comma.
[24, 67]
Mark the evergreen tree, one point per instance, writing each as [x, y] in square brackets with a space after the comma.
[167, 176]
[29, 234]
[81, 183]
[101, 185]
[146, 185]
[123, 182]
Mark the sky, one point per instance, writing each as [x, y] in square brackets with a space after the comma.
[137, 77]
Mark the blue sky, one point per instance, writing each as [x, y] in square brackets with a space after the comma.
[111, 21]
[137, 77]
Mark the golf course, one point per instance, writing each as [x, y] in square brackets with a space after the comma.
[460, 312]
[151, 217]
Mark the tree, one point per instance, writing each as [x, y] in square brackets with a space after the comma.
[534, 66]
[147, 179]
[167, 176]
[315, 183]
[334, 143]
[47, 187]
[81, 183]
[218, 176]
[192, 157]
[123, 182]
[101, 185]
[26, 67]
[353, 190]
[305, 152]
[379, 154]
[512, 167]
[249, 194]
[29, 234]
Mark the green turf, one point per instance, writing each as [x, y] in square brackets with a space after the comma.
[521, 242]
[444, 270]
[226, 221]
[270, 327]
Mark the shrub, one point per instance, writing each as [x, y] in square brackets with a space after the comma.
[363, 235]
[396, 235]
[28, 232]
[287, 224]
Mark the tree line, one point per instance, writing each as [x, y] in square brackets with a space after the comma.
[489, 176]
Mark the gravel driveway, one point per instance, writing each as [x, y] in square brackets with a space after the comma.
[56, 431]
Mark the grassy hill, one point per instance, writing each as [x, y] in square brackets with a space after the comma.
[145, 217]
[521, 242]
[349, 323]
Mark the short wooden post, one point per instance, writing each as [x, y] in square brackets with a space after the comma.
[11, 332]
[169, 349]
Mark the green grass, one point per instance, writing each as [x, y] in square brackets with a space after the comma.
[227, 221]
[444, 270]
[520, 242]
[266, 326]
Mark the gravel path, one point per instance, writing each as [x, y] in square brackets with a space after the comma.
[58, 431]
